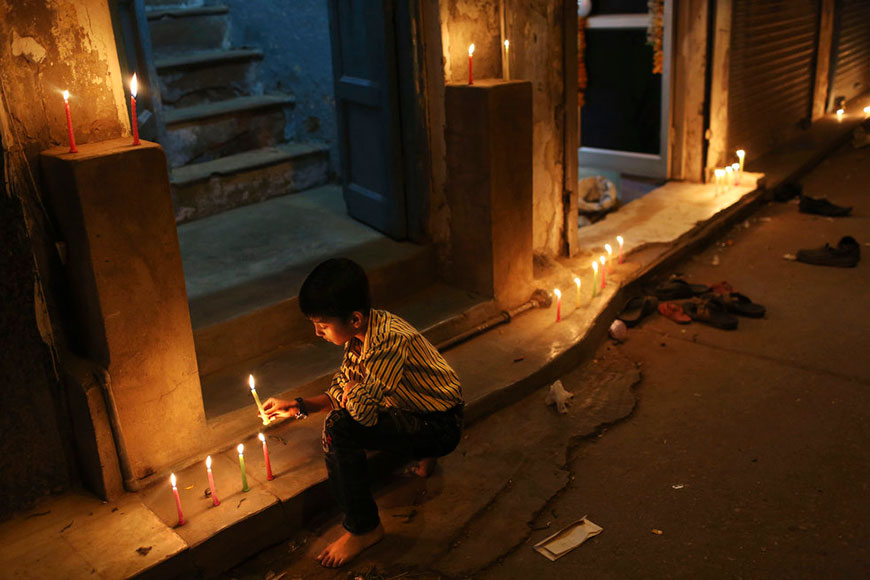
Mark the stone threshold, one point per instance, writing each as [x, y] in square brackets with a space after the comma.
[78, 535]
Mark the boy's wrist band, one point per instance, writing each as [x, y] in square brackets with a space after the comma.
[303, 409]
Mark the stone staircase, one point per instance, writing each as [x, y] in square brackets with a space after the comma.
[224, 139]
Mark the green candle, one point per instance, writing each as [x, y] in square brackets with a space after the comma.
[257, 400]
[594, 278]
[241, 449]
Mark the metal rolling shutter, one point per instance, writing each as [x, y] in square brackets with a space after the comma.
[772, 63]
[851, 54]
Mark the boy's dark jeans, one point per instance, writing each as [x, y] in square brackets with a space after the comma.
[345, 442]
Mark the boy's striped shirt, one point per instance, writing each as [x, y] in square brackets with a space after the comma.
[396, 367]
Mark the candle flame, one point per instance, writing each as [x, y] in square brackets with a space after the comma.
[735, 166]
[241, 449]
[620, 240]
[557, 292]
[251, 381]
[261, 437]
[594, 265]
[172, 479]
[134, 86]
[741, 153]
[729, 169]
[867, 110]
[719, 172]
[507, 45]
[470, 49]
[608, 249]
[841, 112]
[66, 96]
[208, 462]
[601, 259]
[577, 281]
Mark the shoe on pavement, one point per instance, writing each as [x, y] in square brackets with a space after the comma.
[710, 311]
[821, 206]
[845, 255]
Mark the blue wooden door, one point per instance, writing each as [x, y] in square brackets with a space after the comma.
[367, 111]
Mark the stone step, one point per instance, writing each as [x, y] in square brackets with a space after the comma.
[211, 130]
[185, 29]
[203, 189]
[190, 79]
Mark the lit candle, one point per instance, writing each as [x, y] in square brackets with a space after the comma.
[720, 175]
[840, 112]
[241, 450]
[134, 88]
[603, 272]
[470, 54]
[269, 475]
[741, 156]
[609, 251]
[594, 278]
[211, 489]
[558, 294]
[729, 171]
[69, 129]
[867, 110]
[177, 500]
[257, 400]
[577, 283]
[735, 168]
[507, 60]
[620, 241]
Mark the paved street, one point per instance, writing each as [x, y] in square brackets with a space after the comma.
[747, 449]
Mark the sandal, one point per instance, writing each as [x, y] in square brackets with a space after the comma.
[722, 287]
[636, 309]
[742, 305]
[675, 312]
[678, 288]
[710, 311]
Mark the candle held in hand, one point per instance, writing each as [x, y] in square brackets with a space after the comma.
[470, 67]
[177, 499]
[214, 498]
[558, 294]
[134, 89]
[241, 450]
[257, 400]
[620, 241]
[69, 129]
[269, 475]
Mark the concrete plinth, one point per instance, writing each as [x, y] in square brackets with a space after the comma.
[112, 204]
[489, 187]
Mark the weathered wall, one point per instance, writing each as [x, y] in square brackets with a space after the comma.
[534, 28]
[298, 59]
[46, 46]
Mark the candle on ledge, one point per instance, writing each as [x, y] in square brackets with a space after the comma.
[577, 283]
[214, 498]
[134, 89]
[741, 156]
[735, 168]
[177, 500]
[69, 129]
[558, 294]
[720, 175]
[269, 475]
[507, 60]
[257, 400]
[729, 172]
[609, 251]
[620, 241]
[594, 278]
[867, 110]
[603, 272]
[470, 68]
[840, 112]
[241, 450]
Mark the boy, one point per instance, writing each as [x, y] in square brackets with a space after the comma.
[393, 392]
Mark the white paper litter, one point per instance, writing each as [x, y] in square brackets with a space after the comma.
[559, 396]
[789, 257]
[566, 539]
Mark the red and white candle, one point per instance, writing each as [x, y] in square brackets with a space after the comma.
[134, 89]
[470, 67]
[177, 500]
[69, 129]
[211, 488]
[269, 475]
[558, 294]
[621, 242]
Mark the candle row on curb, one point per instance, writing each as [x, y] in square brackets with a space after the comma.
[134, 88]
[605, 267]
[211, 486]
[841, 112]
[506, 62]
[723, 178]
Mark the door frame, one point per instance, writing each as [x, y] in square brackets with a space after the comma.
[625, 161]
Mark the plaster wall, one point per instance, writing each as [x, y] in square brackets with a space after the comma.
[294, 37]
[45, 47]
[534, 28]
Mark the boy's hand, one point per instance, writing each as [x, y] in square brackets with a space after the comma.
[279, 408]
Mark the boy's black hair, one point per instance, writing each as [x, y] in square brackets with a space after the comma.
[337, 288]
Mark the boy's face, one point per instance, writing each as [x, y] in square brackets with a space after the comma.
[335, 330]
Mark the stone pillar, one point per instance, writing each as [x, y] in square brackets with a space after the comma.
[489, 188]
[112, 204]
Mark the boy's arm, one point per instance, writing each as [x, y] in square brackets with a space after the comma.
[339, 383]
[279, 408]
[385, 365]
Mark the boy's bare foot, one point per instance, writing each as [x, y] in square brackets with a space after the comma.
[345, 549]
[423, 467]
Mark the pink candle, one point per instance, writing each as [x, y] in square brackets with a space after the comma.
[134, 85]
[269, 475]
[620, 241]
[470, 54]
[603, 271]
[177, 500]
[69, 129]
[214, 497]
[558, 294]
